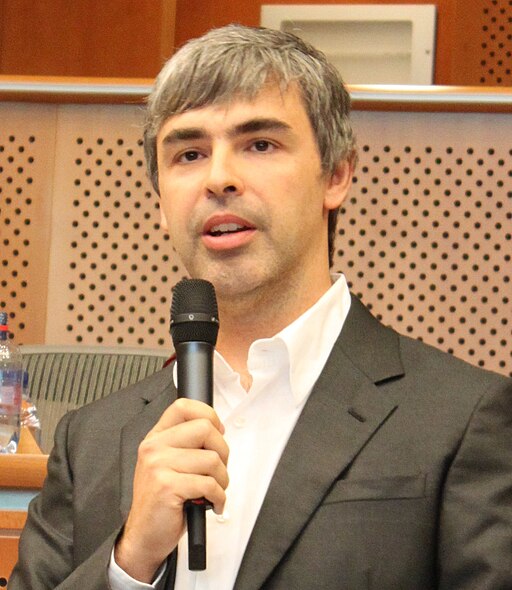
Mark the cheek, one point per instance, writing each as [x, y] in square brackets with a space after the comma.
[300, 197]
[163, 219]
[173, 206]
[171, 222]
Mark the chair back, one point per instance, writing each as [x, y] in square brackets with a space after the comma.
[62, 378]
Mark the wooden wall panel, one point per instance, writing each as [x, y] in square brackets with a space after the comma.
[473, 41]
[195, 17]
[27, 161]
[119, 38]
[424, 236]
[482, 47]
[111, 276]
[132, 38]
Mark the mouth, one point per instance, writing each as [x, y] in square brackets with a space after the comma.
[227, 228]
[227, 232]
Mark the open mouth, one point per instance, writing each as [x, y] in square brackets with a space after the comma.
[227, 232]
[227, 228]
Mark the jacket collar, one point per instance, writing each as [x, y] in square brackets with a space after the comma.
[345, 408]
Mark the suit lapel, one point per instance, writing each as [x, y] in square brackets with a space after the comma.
[343, 411]
[154, 401]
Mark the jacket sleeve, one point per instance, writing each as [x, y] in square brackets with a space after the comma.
[475, 545]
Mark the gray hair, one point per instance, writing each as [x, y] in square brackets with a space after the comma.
[236, 61]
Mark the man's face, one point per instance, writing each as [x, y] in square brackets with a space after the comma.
[243, 196]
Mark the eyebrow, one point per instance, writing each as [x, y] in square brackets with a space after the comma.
[250, 126]
[184, 134]
[259, 124]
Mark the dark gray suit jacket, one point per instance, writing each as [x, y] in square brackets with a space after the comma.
[398, 476]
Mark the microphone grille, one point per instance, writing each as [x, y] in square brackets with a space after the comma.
[194, 313]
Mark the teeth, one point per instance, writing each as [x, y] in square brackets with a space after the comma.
[225, 228]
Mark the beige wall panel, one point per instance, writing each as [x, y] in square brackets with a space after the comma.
[111, 266]
[27, 160]
[425, 236]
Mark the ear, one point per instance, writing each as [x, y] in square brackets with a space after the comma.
[163, 220]
[338, 185]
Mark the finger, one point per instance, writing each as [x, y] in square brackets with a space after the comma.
[174, 489]
[187, 475]
[184, 410]
[199, 462]
[197, 434]
[203, 486]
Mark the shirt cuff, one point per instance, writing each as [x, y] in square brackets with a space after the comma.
[120, 580]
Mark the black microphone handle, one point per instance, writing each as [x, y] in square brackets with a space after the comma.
[195, 371]
[195, 381]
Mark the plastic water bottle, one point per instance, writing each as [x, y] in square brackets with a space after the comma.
[10, 390]
[29, 415]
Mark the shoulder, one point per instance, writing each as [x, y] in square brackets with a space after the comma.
[412, 369]
[427, 362]
[105, 417]
[124, 399]
[450, 392]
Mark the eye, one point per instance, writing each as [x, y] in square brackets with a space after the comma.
[262, 145]
[189, 156]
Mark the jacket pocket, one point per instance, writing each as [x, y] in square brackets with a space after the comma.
[386, 488]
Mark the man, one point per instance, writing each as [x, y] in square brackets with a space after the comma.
[358, 458]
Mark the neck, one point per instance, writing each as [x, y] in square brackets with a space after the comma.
[258, 315]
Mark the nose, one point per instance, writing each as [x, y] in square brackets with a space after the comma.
[223, 179]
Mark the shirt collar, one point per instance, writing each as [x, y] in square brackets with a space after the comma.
[311, 337]
[304, 345]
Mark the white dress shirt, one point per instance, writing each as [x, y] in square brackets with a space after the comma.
[258, 424]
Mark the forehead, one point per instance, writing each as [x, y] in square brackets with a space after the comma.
[271, 102]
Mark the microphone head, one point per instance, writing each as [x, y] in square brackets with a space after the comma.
[194, 313]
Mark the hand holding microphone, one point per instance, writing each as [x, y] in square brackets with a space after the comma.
[184, 456]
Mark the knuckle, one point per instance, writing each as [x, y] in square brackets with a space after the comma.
[180, 404]
[146, 448]
[204, 427]
[164, 483]
[213, 460]
[211, 486]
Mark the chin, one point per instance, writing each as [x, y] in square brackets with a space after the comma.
[234, 285]
[234, 278]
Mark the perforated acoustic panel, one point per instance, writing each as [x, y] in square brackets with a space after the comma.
[27, 159]
[424, 237]
[496, 42]
[110, 282]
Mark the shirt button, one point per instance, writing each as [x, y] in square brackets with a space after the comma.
[239, 422]
[222, 518]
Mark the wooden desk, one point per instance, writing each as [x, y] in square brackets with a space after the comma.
[21, 477]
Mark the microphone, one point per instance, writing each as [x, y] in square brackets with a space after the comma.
[194, 329]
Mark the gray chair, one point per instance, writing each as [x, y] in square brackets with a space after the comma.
[62, 378]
